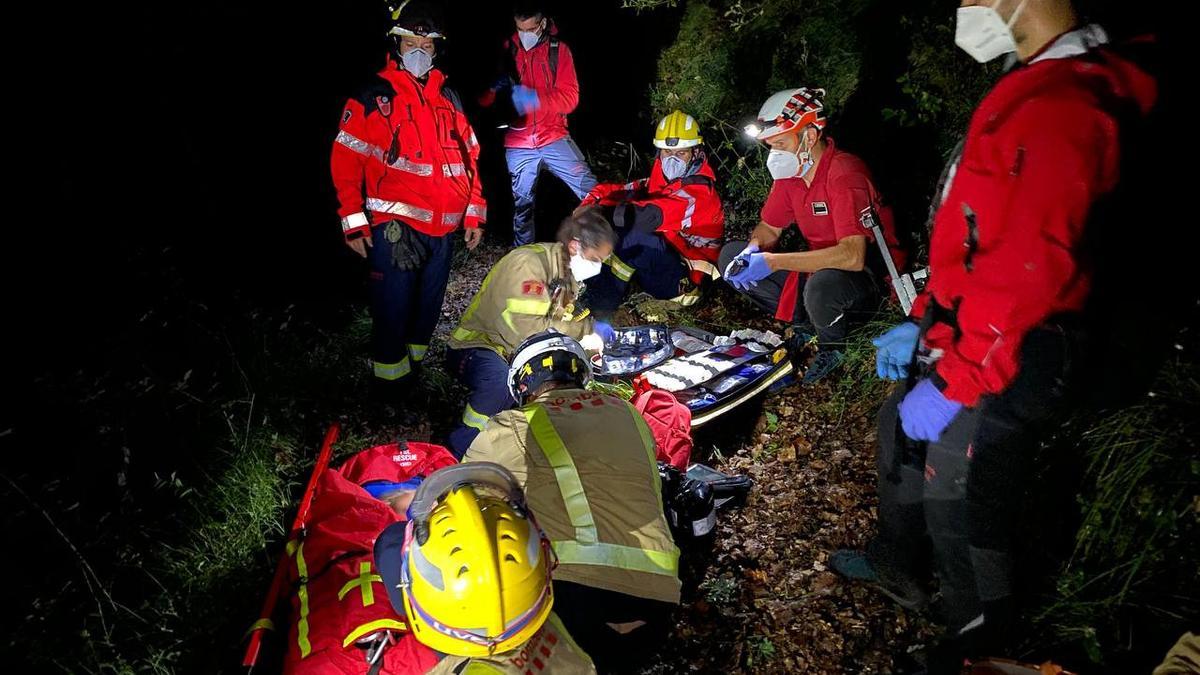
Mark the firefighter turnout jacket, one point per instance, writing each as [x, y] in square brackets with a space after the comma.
[587, 464]
[530, 290]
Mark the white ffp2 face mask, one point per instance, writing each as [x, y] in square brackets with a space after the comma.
[983, 33]
[417, 61]
[582, 268]
[673, 167]
[529, 39]
[783, 164]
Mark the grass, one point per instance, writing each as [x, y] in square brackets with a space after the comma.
[1133, 566]
[194, 579]
[251, 495]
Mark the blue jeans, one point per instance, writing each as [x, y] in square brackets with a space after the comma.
[563, 159]
[486, 375]
[405, 305]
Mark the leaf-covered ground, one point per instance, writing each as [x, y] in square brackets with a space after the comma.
[760, 597]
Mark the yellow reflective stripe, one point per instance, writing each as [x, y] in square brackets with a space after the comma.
[614, 555]
[704, 267]
[474, 419]
[464, 335]
[565, 474]
[417, 352]
[368, 628]
[506, 316]
[261, 624]
[523, 306]
[651, 450]
[474, 306]
[363, 581]
[619, 268]
[302, 593]
[392, 371]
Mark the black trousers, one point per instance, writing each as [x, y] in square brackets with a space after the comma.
[641, 253]
[834, 301]
[586, 613]
[963, 493]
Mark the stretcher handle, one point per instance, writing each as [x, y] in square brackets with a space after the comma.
[264, 623]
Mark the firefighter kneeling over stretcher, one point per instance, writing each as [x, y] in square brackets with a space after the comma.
[587, 462]
[471, 570]
[532, 289]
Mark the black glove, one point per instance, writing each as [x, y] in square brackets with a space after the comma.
[409, 250]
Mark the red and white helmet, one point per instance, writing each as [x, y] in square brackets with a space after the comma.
[789, 110]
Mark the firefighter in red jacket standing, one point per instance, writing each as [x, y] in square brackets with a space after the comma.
[544, 90]
[670, 226]
[404, 166]
[1001, 326]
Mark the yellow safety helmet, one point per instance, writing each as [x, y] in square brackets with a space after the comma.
[475, 570]
[677, 130]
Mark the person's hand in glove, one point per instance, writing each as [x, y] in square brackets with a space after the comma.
[894, 350]
[605, 331]
[755, 271]
[925, 412]
[525, 99]
[740, 261]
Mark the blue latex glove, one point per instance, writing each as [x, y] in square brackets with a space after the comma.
[605, 331]
[894, 350]
[925, 412]
[525, 100]
[743, 256]
[755, 272]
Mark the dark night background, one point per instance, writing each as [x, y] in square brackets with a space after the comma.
[176, 188]
[197, 141]
[170, 200]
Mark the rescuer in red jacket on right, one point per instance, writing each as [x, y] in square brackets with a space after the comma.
[994, 347]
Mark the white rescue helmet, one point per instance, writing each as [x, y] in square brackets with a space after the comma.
[789, 110]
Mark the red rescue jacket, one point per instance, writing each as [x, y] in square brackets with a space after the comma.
[557, 88]
[408, 146]
[1041, 149]
[687, 209]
